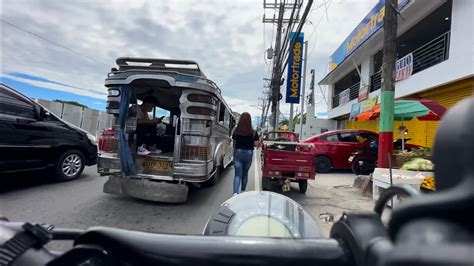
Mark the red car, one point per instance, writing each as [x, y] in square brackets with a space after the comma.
[332, 149]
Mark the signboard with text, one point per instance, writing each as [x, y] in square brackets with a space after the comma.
[404, 67]
[295, 63]
[368, 104]
[366, 28]
[355, 110]
[363, 93]
[345, 96]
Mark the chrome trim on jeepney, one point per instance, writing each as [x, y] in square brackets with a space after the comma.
[108, 164]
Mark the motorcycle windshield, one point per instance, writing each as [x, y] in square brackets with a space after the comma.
[268, 214]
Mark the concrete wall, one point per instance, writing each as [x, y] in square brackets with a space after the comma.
[315, 127]
[91, 120]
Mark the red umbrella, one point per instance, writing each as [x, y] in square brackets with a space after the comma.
[436, 110]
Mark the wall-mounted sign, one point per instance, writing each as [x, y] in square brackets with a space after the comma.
[368, 104]
[366, 28]
[404, 67]
[355, 110]
[345, 96]
[295, 64]
[363, 93]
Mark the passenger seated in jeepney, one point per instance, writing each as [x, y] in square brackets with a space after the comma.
[147, 138]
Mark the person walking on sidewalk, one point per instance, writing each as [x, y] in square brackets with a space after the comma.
[245, 139]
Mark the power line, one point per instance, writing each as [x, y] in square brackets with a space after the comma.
[53, 42]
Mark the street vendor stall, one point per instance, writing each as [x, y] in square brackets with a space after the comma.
[412, 167]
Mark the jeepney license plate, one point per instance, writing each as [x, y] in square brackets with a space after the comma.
[160, 165]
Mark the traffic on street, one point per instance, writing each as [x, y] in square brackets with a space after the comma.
[276, 132]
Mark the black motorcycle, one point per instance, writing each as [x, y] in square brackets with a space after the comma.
[364, 160]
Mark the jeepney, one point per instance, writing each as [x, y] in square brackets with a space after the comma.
[195, 140]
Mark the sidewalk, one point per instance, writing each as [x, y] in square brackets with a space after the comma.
[332, 194]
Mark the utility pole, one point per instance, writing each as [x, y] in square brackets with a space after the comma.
[305, 47]
[281, 49]
[385, 149]
[275, 83]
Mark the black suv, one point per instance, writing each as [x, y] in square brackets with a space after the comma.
[32, 138]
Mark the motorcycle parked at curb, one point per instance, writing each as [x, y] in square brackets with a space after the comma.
[364, 160]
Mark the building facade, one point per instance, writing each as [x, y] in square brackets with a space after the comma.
[435, 61]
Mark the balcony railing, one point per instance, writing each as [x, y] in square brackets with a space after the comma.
[431, 53]
[376, 81]
[353, 94]
[425, 56]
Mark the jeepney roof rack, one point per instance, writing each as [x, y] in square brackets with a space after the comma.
[181, 66]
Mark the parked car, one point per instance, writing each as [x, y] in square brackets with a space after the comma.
[32, 138]
[332, 149]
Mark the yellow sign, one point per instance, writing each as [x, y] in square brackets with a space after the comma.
[157, 165]
[368, 104]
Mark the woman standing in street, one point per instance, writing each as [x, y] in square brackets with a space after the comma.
[245, 139]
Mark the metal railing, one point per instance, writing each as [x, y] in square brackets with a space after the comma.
[425, 56]
[431, 53]
[376, 81]
[353, 94]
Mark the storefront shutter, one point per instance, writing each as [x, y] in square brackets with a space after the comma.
[447, 96]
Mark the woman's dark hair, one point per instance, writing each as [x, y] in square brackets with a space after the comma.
[244, 127]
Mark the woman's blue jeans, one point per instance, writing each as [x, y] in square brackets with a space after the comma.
[242, 163]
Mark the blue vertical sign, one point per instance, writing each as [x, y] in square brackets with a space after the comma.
[295, 66]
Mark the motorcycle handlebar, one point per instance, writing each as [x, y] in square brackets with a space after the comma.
[65, 233]
[140, 248]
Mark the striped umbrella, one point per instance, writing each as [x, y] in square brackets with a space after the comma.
[405, 110]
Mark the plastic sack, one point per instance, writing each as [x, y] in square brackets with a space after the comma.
[419, 164]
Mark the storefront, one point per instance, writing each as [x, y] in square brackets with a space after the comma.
[423, 132]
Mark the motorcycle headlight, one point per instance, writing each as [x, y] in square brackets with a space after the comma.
[92, 139]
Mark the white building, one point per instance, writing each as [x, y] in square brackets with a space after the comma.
[436, 34]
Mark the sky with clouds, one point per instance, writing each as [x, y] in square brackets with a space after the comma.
[227, 38]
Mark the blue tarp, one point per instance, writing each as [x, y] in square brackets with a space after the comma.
[128, 167]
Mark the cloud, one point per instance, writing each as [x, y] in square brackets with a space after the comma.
[98, 103]
[56, 86]
[241, 106]
[229, 44]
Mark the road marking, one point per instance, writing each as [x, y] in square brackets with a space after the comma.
[256, 168]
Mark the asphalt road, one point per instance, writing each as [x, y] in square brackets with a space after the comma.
[81, 204]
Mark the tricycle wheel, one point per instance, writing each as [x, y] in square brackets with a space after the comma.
[266, 183]
[362, 166]
[303, 184]
[322, 164]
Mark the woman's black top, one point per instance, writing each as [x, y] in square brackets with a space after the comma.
[245, 142]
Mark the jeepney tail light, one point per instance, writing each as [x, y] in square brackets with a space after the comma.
[302, 174]
[195, 148]
[108, 142]
[274, 173]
